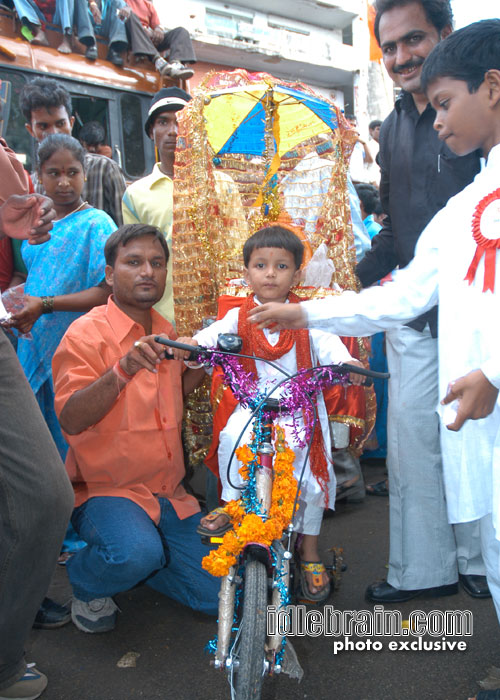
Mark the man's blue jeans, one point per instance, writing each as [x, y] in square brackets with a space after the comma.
[125, 547]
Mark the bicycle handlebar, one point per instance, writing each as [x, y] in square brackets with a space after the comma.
[196, 351]
[259, 403]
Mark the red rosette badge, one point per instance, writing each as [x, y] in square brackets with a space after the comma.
[486, 233]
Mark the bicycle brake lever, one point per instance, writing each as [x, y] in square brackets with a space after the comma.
[369, 373]
[194, 351]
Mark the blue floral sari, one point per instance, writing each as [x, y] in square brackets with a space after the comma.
[72, 261]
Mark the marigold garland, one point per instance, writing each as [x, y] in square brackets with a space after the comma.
[250, 527]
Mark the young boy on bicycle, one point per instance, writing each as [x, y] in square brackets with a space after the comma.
[457, 263]
[272, 259]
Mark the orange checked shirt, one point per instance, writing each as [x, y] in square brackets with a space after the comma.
[135, 451]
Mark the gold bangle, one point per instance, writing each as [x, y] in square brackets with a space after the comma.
[47, 305]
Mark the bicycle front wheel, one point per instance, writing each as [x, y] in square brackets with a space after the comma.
[252, 633]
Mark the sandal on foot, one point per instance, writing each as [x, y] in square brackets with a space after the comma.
[317, 569]
[213, 515]
[351, 492]
[378, 489]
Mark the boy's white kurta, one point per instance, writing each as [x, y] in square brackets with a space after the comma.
[469, 336]
[326, 349]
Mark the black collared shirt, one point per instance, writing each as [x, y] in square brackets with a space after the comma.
[419, 174]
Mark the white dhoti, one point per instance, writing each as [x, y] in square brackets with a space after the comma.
[425, 550]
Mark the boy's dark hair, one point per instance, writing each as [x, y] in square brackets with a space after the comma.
[378, 208]
[57, 142]
[43, 93]
[274, 237]
[130, 232]
[369, 197]
[374, 123]
[438, 12]
[465, 55]
[92, 133]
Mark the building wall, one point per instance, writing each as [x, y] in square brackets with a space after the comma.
[323, 44]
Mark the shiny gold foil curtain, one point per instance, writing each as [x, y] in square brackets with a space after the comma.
[214, 197]
[214, 214]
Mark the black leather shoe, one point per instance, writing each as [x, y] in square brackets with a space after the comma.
[115, 57]
[91, 53]
[51, 615]
[488, 695]
[383, 592]
[475, 586]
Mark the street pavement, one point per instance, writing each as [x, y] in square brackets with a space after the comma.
[157, 652]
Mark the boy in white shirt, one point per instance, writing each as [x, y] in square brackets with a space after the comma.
[272, 258]
[455, 263]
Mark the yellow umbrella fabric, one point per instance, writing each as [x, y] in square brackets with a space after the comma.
[236, 118]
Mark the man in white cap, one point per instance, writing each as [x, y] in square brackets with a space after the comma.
[150, 199]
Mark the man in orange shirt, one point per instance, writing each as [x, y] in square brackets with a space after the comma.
[120, 407]
[148, 38]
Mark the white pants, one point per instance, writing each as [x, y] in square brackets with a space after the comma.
[308, 519]
[310, 488]
[491, 555]
[425, 550]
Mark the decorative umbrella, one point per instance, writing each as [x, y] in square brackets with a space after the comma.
[239, 138]
[264, 119]
[244, 140]
[236, 118]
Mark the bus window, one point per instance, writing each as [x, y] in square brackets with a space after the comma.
[90, 109]
[5, 89]
[16, 135]
[134, 163]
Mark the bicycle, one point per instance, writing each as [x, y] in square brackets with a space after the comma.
[261, 573]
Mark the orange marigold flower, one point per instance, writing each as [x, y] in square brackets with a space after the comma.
[250, 527]
[217, 565]
[235, 511]
[230, 543]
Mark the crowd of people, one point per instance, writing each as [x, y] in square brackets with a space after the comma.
[126, 25]
[95, 257]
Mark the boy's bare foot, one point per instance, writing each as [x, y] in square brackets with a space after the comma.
[39, 38]
[65, 45]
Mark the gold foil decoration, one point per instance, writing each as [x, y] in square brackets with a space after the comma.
[214, 213]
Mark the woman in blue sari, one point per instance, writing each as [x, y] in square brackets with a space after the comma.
[65, 275]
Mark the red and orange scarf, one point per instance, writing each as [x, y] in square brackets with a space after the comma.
[256, 343]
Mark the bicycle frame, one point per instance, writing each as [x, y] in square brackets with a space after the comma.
[267, 652]
[275, 557]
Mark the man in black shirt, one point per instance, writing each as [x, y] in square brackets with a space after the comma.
[418, 176]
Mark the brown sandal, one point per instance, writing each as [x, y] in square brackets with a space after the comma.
[317, 569]
[213, 515]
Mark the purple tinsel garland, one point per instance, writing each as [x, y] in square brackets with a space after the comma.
[298, 396]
